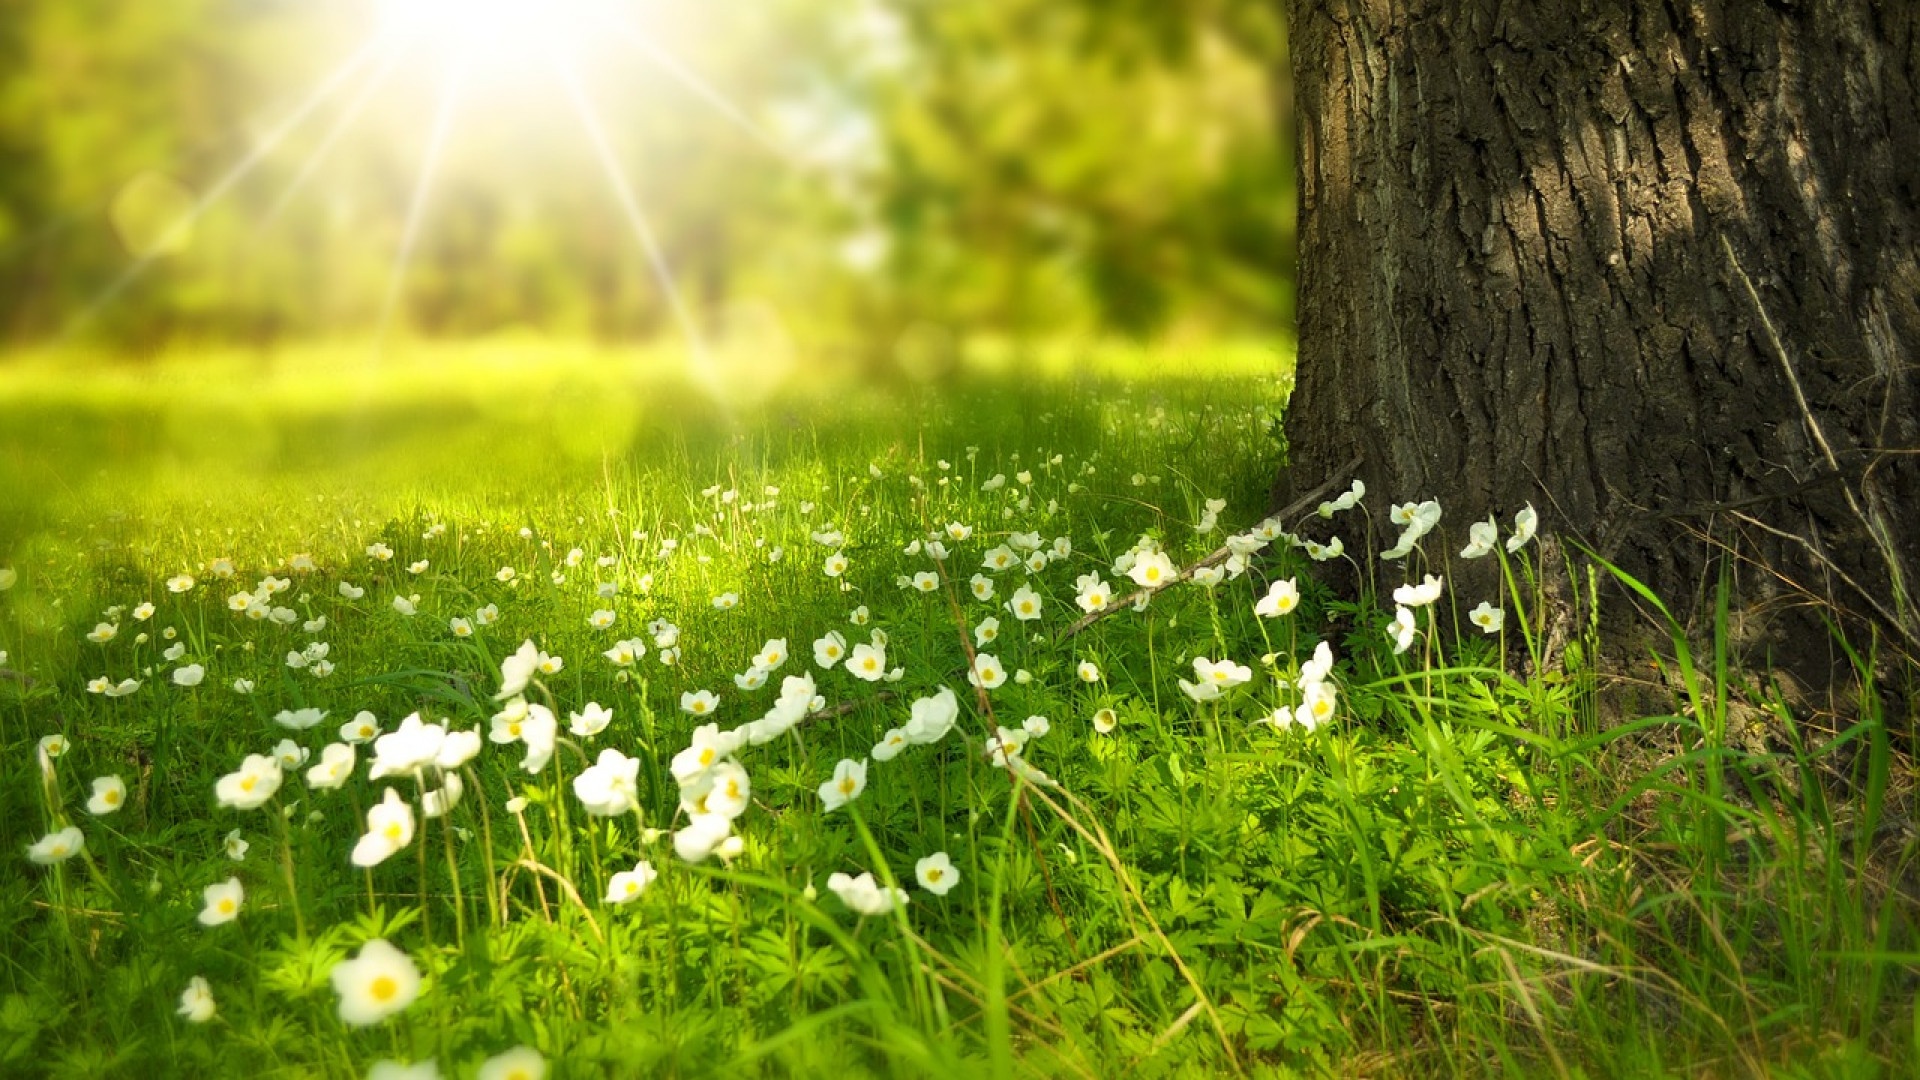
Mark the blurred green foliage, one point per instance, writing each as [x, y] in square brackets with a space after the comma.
[875, 178]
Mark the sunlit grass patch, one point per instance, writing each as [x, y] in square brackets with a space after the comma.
[893, 732]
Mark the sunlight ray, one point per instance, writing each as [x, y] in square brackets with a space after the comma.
[416, 206]
[636, 219]
[667, 62]
[341, 125]
[227, 181]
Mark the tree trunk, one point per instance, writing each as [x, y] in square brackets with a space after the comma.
[1652, 266]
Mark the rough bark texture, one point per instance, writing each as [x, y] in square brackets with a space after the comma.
[1650, 265]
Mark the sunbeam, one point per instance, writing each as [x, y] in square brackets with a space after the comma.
[416, 206]
[643, 232]
[341, 125]
[667, 62]
[226, 183]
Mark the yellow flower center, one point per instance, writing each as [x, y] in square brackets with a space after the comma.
[110, 797]
[935, 874]
[247, 782]
[513, 730]
[393, 830]
[226, 907]
[699, 707]
[706, 755]
[384, 989]
[846, 786]
[632, 886]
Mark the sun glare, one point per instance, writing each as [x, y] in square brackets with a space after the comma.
[491, 41]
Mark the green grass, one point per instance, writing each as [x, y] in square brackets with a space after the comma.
[1466, 872]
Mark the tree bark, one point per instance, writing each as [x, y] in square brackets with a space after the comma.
[1652, 266]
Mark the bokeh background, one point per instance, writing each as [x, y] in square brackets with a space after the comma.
[886, 184]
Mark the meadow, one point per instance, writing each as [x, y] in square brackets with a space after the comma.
[524, 711]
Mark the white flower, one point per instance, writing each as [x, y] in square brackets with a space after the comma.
[519, 1063]
[1345, 502]
[1282, 597]
[835, 565]
[488, 615]
[926, 581]
[1402, 629]
[1151, 569]
[335, 767]
[389, 828]
[830, 649]
[890, 744]
[243, 686]
[251, 785]
[222, 902]
[930, 718]
[629, 884]
[350, 591]
[1481, 536]
[298, 719]
[590, 722]
[1487, 617]
[849, 780]
[864, 895]
[1088, 671]
[601, 619]
[364, 727]
[1419, 595]
[702, 834]
[291, 754]
[1025, 604]
[988, 629]
[109, 795]
[1105, 720]
[868, 662]
[1222, 673]
[1203, 690]
[1524, 524]
[609, 787]
[516, 670]
[987, 672]
[1319, 667]
[1316, 706]
[726, 792]
[982, 587]
[936, 873]
[407, 605]
[102, 633]
[457, 748]
[726, 601]
[9, 577]
[57, 846]
[375, 984]
[410, 748]
[461, 628]
[771, 655]
[235, 846]
[196, 1001]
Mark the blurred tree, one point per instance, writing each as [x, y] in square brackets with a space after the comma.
[1652, 267]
